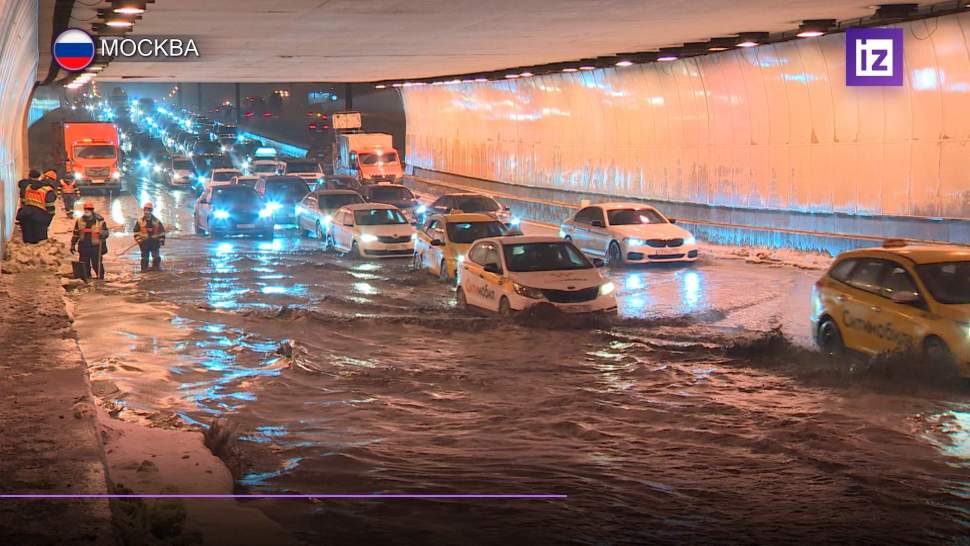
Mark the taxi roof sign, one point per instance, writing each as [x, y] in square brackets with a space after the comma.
[894, 243]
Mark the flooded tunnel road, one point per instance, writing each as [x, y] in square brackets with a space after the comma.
[684, 419]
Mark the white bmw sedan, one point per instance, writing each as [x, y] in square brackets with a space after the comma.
[629, 233]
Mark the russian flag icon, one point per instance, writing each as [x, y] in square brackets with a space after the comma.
[73, 49]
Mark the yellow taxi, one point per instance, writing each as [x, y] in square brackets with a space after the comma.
[444, 239]
[899, 297]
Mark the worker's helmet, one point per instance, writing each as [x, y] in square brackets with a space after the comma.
[50, 173]
[148, 206]
[89, 206]
[34, 173]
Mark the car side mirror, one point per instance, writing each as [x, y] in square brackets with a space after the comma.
[596, 223]
[598, 262]
[905, 298]
[493, 268]
[437, 242]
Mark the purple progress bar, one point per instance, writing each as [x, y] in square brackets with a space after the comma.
[284, 496]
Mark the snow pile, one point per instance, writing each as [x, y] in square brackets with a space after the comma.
[48, 255]
[762, 255]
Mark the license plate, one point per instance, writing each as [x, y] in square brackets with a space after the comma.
[245, 226]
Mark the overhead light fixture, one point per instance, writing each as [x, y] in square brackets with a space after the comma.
[587, 64]
[128, 7]
[895, 12]
[119, 23]
[94, 68]
[511, 76]
[813, 28]
[751, 39]
[380, 86]
[720, 44]
[481, 80]
[668, 54]
[525, 74]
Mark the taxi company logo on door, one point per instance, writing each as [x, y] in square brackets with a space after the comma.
[874, 56]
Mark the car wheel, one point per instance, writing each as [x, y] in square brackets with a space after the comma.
[938, 353]
[614, 256]
[355, 251]
[329, 244]
[443, 271]
[460, 299]
[319, 234]
[829, 338]
[504, 308]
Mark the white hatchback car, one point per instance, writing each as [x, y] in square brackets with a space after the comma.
[629, 233]
[510, 274]
[371, 230]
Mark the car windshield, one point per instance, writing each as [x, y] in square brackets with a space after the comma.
[182, 165]
[525, 257]
[264, 168]
[379, 217]
[469, 232]
[378, 159]
[948, 282]
[302, 167]
[629, 217]
[225, 176]
[476, 204]
[287, 188]
[331, 202]
[102, 151]
[342, 184]
[235, 196]
[390, 193]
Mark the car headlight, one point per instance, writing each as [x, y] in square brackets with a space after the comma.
[142, 162]
[527, 291]
[460, 258]
[515, 222]
[368, 238]
[633, 241]
[327, 220]
[689, 240]
[116, 175]
[607, 288]
[265, 213]
[157, 168]
[221, 215]
[273, 206]
[421, 209]
[77, 175]
[965, 327]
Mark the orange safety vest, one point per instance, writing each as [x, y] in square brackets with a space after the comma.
[143, 230]
[94, 231]
[36, 197]
[68, 187]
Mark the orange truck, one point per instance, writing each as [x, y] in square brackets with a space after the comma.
[92, 155]
[370, 157]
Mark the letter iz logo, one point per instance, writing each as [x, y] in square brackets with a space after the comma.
[874, 56]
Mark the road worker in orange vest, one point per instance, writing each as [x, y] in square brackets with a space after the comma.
[90, 240]
[68, 191]
[150, 235]
[37, 199]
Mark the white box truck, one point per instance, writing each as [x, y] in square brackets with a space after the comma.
[370, 157]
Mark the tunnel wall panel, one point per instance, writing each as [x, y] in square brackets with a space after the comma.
[753, 131]
[18, 67]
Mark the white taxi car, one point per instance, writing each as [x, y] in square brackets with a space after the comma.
[372, 230]
[629, 233]
[510, 274]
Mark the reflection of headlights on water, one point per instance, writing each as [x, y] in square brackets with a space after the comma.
[527, 291]
[633, 241]
[607, 289]
[221, 215]
[368, 238]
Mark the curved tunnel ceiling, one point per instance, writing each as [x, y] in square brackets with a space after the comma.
[369, 40]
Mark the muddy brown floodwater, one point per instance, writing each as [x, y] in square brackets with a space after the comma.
[700, 415]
